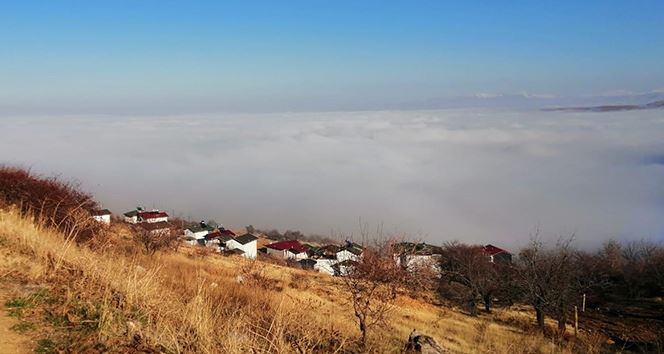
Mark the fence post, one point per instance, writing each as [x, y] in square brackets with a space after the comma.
[583, 307]
[576, 321]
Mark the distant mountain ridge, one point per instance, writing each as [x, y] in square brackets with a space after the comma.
[610, 108]
[538, 101]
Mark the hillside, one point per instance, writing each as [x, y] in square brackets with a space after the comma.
[611, 108]
[119, 300]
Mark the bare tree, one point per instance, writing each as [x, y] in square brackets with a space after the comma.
[154, 239]
[372, 285]
[550, 280]
[469, 266]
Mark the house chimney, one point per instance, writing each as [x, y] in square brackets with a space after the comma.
[139, 208]
[203, 223]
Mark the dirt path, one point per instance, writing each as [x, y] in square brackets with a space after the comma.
[11, 342]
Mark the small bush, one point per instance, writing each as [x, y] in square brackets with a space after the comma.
[22, 327]
[45, 346]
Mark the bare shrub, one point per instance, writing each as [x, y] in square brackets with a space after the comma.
[253, 272]
[468, 266]
[154, 240]
[54, 202]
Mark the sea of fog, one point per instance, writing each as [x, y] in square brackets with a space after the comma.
[473, 175]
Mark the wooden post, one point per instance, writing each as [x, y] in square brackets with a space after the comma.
[583, 307]
[576, 321]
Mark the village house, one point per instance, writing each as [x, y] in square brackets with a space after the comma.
[349, 252]
[325, 265]
[102, 215]
[289, 249]
[141, 216]
[218, 238]
[195, 233]
[496, 254]
[412, 256]
[329, 257]
[245, 243]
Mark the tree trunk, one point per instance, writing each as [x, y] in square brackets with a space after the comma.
[363, 330]
[487, 302]
[472, 307]
[540, 318]
[561, 324]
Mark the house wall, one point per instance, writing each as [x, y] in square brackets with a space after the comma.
[106, 219]
[131, 220]
[276, 253]
[501, 257]
[153, 220]
[196, 235]
[325, 266]
[344, 255]
[297, 257]
[414, 261]
[248, 248]
[214, 243]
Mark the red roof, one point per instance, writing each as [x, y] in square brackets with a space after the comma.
[152, 214]
[219, 233]
[492, 250]
[213, 234]
[287, 245]
[228, 232]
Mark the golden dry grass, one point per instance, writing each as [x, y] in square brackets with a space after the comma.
[192, 302]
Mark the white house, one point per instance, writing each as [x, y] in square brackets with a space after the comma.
[139, 216]
[103, 216]
[325, 265]
[215, 239]
[412, 262]
[296, 254]
[348, 254]
[247, 243]
[412, 256]
[131, 217]
[197, 232]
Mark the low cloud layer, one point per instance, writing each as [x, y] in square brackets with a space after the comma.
[474, 175]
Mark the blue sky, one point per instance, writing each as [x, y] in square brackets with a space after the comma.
[98, 55]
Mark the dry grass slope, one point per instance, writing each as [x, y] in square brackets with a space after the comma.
[188, 302]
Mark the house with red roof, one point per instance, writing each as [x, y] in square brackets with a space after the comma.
[497, 254]
[140, 216]
[288, 249]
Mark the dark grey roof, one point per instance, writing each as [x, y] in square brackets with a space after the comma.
[199, 228]
[353, 250]
[132, 213]
[224, 238]
[101, 212]
[246, 238]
